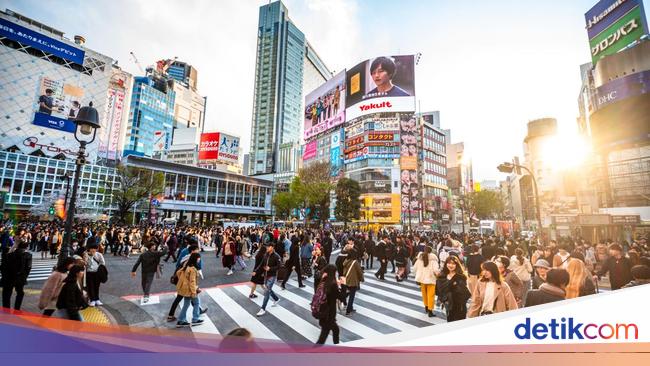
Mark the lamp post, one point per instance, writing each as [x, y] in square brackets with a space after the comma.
[87, 123]
[66, 177]
[462, 213]
[509, 168]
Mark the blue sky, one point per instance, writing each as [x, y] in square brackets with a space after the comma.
[488, 66]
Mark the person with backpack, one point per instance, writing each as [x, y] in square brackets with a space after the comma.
[271, 262]
[323, 305]
[183, 257]
[94, 260]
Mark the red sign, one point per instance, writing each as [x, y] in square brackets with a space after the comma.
[209, 146]
[354, 141]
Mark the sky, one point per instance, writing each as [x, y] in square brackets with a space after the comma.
[489, 67]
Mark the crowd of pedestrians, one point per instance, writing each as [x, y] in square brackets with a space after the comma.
[459, 275]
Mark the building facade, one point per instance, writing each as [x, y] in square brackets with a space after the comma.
[436, 200]
[285, 66]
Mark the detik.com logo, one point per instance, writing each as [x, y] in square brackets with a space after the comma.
[569, 328]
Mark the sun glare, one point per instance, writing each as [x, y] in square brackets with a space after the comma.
[566, 151]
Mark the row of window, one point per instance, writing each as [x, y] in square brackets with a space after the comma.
[181, 187]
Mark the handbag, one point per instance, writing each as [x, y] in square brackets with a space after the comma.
[174, 278]
[102, 272]
[344, 278]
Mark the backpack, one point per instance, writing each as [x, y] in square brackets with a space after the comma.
[319, 302]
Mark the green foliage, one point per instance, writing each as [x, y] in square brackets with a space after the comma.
[133, 185]
[486, 204]
[284, 203]
[347, 200]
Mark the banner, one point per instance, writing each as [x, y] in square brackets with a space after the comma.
[57, 105]
[209, 146]
[228, 148]
[602, 15]
[160, 141]
[39, 41]
[409, 182]
[383, 84]
[325, 107]
[311, 150]
[622, 88]
[111, 128]
[625, 30]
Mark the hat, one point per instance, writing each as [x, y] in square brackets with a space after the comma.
[543, 263]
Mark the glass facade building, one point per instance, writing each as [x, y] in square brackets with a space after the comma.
[152, 110]
[286, 66]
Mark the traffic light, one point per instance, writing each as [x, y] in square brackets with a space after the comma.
[51, 211]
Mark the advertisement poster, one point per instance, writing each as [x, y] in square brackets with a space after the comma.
[111, 128]
[209, 146]
[311, 149]
[409, 182]
[57, 105]
[325, 107]
[382, 84]
[228, 148]
[336, 161]
[621, 33]
[159, 140]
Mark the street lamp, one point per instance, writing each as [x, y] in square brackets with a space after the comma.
[86, 125]
[509, 168]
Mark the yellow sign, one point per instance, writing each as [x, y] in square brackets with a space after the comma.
[477, 187]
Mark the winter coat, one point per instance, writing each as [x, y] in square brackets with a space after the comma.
[522, 270]
[71, 297]
[516, 286]
[187, 282]
[149, 260]
[453, 293]
[352, 272]
[546, 293]
[51, 290]
[16, 267]
[426, 275]
[474, 264]
[505, 300]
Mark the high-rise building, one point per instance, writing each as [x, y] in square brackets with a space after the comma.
[151, 117]
[286, 67]
[184, 73]
[433, 167]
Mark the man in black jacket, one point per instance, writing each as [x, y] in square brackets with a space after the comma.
[270, 264]
[327, 246]
[15, 270]
[293, 262]
[150, 260]
[380, 253]
[618, 266]
[553, 290]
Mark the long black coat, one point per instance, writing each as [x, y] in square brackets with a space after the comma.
[16, 267]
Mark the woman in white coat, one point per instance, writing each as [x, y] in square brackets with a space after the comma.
[426, 270]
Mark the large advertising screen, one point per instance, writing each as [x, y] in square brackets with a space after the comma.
[325, 107]
[409, 182]
[383, 84]
[228, 148]
[57, 105]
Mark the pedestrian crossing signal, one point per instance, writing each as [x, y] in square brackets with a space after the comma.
[51, 211]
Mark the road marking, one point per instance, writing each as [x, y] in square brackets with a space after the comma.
[240, 315]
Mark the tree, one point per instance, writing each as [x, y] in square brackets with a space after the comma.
[284, 203]
[313, 187]
[486, 204]
[347, 200]
[133, 185]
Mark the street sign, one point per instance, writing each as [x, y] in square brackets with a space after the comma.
[626, 219]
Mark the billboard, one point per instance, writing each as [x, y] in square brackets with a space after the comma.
[209, 146]
[614, 24]
[622, 88]
[111, 128]
[39, 41]
[219, 146]
[160, 140]
[57, 105]
[336, 160]
[409, 182]
[228, 148]
[311, 150]
[325, 107]
[383, 84]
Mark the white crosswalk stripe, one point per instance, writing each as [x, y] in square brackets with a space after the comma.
[41, 269]
[393, 308]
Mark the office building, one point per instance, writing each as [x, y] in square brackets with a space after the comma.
[433, 171]
[286, 67]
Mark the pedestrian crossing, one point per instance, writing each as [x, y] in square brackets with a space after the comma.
[41, 269]
[382, 307]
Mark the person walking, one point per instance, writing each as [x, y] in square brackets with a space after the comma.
[618, 267]
[293, 263]
[306, 250]
[369, 246]
[150, 261]
[270, 264]
[492, 294]
[580, 281]
[521, 266]
[401, 260]
[71, 298]
[93, 260]
[172, 245]
[552, 290]
[229, 252]
[15, 270]
[257, 277]
[327, 319]
[452, 289]
[188, 287]
[541, 268]
[381, 254]
[352, 281]
[318, 264]
[426, 270]
[53, 285]
[183, 257]
[511, 278]
[474, 261]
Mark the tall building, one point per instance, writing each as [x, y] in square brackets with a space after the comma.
[286, 67]
[151, 117]
[184, 73]
[433, 170]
